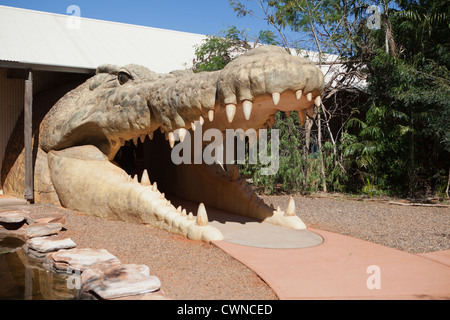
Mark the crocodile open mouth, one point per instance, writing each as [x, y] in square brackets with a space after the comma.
[218, 185]
[110, 147]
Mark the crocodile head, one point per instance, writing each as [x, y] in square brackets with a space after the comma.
[131, 109]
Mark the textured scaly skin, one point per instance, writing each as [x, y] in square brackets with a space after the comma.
[81, 134]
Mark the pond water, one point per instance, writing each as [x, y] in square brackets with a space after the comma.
[25, 278]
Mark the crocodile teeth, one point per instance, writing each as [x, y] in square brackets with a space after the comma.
[136, 179]
[211, 115]
[182, 134]
[171, 139]
[276, 98]
[301, 116]
[135, 141]
[290, 210]
[202, 217]
[145, 180]
[247, 108]
[298, 94]
[318, 101]
[193, 126]
[142, 138]
[150, 135]
[201, 120]
[231, 112]
[155, 186]
[309, 96]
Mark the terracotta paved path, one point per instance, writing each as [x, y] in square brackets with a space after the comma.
[343, 267]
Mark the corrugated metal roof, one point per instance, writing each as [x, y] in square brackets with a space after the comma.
[36, 37]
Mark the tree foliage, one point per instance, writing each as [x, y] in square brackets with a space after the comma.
[393, 136]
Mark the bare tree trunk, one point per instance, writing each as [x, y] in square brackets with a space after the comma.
[448, 183]
[319, 138]
[308, 126]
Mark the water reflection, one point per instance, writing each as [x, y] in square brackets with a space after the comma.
[25, 278]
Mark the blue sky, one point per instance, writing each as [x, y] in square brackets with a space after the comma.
[196, 16]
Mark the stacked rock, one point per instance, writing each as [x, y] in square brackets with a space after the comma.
[13, 223]
[39, 247]
[95, 272]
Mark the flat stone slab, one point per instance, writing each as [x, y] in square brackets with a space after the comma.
[13, 216]
[119, 281]
[49, 244]
[47, 217]
[42, 229]
[80, 259]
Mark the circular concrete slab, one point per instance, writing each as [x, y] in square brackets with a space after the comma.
[249, 232]
[261, 234]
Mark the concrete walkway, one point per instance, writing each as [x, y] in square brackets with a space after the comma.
[343, 267]
[316, 264]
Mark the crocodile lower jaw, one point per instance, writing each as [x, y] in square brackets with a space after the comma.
[86, 181]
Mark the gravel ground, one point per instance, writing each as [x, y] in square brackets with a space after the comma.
[193, 270]
[188, 270]
[407, 228]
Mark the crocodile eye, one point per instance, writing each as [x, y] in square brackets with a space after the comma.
[123, 77]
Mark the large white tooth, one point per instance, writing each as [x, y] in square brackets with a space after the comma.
[190, 216]
[145, 180]
[202, 216]
[183, 212]
[135, 141]
[231, 112]
[202, 121]
[211, 115]
[247, 108]
[193, 126]
[155, 186]
[150, 135]
[182, 134]
[298, 94]
[276, 98]
[179, 209]
[290, 210]
[309, 96]
[301, 116]
[135, 179]
[171, 139]
[142, 138]
[318, 101]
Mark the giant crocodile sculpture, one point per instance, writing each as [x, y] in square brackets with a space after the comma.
[77, 141]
